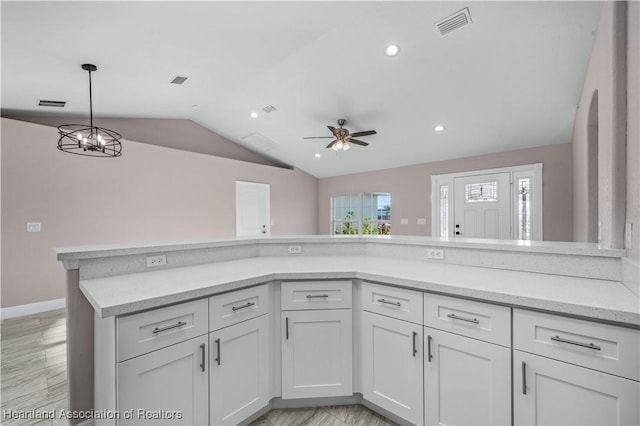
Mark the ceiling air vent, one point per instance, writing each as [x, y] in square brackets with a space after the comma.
[269, 108]
[453, 22]
[179, 80]
[59, 104]
[259, 142]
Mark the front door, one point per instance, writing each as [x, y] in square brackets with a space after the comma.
[252, 209]
[482, 206]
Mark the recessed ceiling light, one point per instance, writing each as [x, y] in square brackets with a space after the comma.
[254, 115]
[392, 50]
[318, 155]
[439, 128]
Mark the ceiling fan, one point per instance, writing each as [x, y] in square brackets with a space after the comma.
[343, 138]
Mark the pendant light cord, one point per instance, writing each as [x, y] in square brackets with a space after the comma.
[90, 102]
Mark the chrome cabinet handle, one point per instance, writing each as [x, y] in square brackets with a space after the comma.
[415, 351]
[389, 303]
[455, 317]
[159, 330]
[524, 378]
[203, 349]
[429, 356]
[573, 342]
[286, 322]
[237, 308]
[219, 358]
[314, 296]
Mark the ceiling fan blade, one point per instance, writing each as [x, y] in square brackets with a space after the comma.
[357, 142]
[333, 130]
[364, 133]
[332, 143]
[318, 137]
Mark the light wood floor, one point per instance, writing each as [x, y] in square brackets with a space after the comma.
[34, 377]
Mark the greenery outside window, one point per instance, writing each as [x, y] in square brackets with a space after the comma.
[367, 213]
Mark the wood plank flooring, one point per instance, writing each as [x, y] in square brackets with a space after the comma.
[34, 377]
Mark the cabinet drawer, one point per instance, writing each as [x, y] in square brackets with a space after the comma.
[482, 321]
[316, 295]
[232, 308]
[151, 330]
[598, 346]
[392, 301]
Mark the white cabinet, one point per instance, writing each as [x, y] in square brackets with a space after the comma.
[316, 353]
[466, 381]
[392, 356]
[550, 392]
[167, 386]
[239, 370]
[574, 372]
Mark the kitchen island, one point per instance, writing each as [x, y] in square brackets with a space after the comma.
[574, 281]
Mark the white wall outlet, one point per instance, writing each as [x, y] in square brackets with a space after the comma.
[34, 227]
[295, 249]
[628, 236]
[159, 260]
[435, 253]
[404, 221]
[422, 221]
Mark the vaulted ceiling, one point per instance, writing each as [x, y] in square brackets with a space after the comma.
[510, 79]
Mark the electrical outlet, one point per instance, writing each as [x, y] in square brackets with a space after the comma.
[159, 260]
[295, 249]
[433, 253]
[422, 221]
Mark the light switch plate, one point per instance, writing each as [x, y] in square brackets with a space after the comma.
[34, 227]
[422, 221]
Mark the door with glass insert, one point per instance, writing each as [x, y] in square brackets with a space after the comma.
[482, 206]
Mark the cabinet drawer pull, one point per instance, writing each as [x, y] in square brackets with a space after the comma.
[573, 342]
[524, 378]
[429, 356]
[218, 359]
[237, 308]
[202, 348]
[389, 303]
[316, 296]
[455, 317]
[415, 351]
[286, 327]
[160, 330]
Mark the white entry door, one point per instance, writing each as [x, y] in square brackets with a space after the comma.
[482, 206]
[252, 209]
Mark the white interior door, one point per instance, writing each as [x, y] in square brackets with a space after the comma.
[252, 209]
[482, 206]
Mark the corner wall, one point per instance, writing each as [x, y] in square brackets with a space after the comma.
[633, 125]
[151, 193]
[410, 188]
[606, 74]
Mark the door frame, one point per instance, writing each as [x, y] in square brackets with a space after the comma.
[533, 171]
[267, 188]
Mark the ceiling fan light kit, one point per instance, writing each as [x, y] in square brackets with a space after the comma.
[91, 141]
[343, 137]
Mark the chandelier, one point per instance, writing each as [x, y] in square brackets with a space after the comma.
[89, 140]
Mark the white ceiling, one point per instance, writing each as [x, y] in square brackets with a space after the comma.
[511, 79]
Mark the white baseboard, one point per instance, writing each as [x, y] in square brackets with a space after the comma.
[32, 308]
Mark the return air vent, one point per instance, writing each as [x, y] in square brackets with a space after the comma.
[59, 104]
[179, 80]
[259, 142]
[453, 22]
[269, 108]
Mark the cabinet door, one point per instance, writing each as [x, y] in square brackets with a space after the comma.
[550, 392]
[316, 353]
[239, 360]
[392, 365]
[466, 381]
[168, 386]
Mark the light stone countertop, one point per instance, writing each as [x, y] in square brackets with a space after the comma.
[603, 300]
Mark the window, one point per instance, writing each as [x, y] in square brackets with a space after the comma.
[444, 211]
[367, 213]
[481, 192]
[524, 208]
